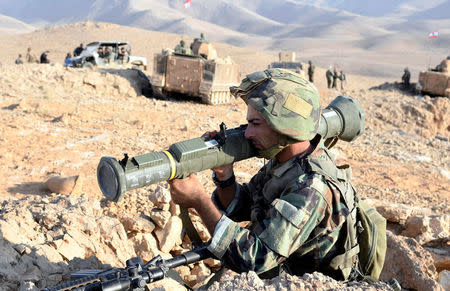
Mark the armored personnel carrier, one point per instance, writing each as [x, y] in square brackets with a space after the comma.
[201, 75]
[286, 60]
[436, 82]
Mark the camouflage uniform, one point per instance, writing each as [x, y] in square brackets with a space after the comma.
[182, 49]
[296, 217]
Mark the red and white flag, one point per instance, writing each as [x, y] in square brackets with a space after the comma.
[433, 34]
[187, 4]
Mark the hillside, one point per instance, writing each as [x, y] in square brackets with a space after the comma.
[378, 38]
[58, 122]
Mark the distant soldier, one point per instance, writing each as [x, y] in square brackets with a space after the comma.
[122, 55]
[329, 75]
[342, 77]
[406, 77]
[100, 52]
[19, 60]
[182, 48]
[44, 57]
[107, 54]
[68, 60]
[335, 78]
[77, 51]
[31, 57]
[311, 71]
[201, 39]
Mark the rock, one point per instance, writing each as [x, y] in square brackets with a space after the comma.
[397, 212]
[145, 245]
[409, 263]
[69, 248]
[160, 217]
[171, 235]
[135, 223]
[65, 185]
[201, 271]
[428, 229]
[444, 279]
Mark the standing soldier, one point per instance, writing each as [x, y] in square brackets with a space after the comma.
[405, 78]
[311, 71]
[335, 77]
[329, 75]
[342, 78]
[31, 57]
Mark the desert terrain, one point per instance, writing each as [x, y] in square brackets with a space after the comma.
[59, 121]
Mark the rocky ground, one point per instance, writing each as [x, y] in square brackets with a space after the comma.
[59, 122]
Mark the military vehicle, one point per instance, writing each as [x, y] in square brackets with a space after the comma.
[286, 60]
[106, 53]
[435, 82]
[201, 75]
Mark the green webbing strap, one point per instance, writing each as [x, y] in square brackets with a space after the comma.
[189, 227]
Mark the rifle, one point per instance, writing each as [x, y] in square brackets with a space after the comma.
[135, 276]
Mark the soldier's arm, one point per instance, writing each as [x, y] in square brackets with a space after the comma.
[291, 220]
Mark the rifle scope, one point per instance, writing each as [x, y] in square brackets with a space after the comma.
[342, 119]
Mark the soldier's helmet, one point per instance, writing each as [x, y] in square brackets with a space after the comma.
[288, 102]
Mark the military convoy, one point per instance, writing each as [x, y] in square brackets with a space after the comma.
[435, 82]
[201, 75]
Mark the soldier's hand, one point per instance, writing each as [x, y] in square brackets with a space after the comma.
[188, 192]
[223, 172]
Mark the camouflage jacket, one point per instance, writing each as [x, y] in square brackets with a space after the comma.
[295, 217]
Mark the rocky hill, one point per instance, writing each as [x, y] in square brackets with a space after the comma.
[57, 123]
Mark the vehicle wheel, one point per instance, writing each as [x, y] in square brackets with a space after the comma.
[88, 65]
[158, 92]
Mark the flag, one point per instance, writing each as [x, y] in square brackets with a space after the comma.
[187, 4]
[433, 34]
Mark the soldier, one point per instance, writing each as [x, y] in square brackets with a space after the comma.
[44, 57]
[405, 78]
[19, 60]
[182, 48]
[202, 37]
[77, 51]
[342, 77]
[329, 75]
[31, 57]
[335, 78]
[311, 71]
[298, 219]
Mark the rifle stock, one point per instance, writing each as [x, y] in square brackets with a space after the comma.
[134, 277]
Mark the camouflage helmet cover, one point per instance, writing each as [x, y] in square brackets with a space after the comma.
[287, 101]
